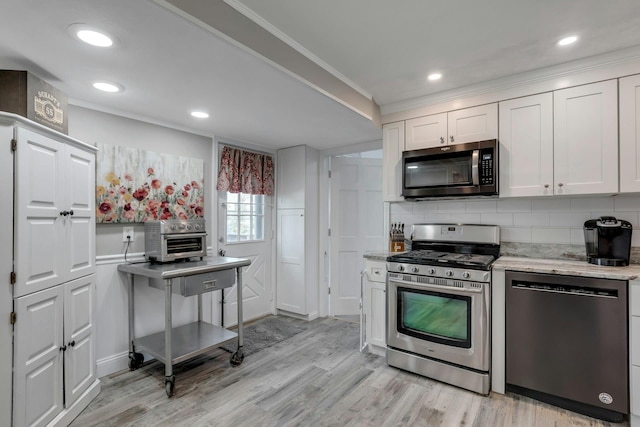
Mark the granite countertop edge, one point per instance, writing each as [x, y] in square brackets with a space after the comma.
[566, 267]
[378, 255]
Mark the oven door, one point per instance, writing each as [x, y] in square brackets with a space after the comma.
[447, 320]
[178, 246]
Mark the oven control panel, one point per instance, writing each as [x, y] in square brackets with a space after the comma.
[436, 271]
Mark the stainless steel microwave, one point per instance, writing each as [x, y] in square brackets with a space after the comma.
[469, 169]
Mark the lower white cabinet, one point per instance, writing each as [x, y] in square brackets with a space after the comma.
[375, 306]
[54, 350]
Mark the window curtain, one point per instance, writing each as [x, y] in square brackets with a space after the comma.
[245, 172]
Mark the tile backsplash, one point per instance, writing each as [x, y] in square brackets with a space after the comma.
[540, 220]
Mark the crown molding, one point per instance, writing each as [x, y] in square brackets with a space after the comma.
[596, 68]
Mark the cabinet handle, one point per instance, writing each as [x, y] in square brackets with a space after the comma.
[546, 186]
[451, 138]
[63, 348]
[71, 212]
[560, 184]
[72, 344]
[441, 140]
[64, 213]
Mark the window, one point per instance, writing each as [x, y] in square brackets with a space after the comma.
[245, 217]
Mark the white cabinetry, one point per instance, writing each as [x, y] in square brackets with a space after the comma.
[634, 351]
[375, 306]
[630, 134]
[455, 127]
[392, 148]
[297, 231]
[565, 146]
[54, 350]
[585, 130]
[48, 354]
[526, 146]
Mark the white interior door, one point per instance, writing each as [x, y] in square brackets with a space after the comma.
[357, 226]
[245, 231]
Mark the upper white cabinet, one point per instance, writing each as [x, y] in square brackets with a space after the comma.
[426, 132]
[392, 148]
[585, 130]
[526, 146]
[55, 208]
[297, 231]
[455, 127]
[630, 134]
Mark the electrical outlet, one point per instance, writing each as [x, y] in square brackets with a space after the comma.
[127, 231]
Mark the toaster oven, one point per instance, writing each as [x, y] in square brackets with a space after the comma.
[173, 239]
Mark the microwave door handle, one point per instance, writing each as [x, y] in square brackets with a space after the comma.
[475, 160]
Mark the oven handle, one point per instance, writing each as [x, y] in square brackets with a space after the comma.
[475, 162]
[441, 288]
[181, 236]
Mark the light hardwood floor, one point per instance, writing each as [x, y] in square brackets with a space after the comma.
[316, 378]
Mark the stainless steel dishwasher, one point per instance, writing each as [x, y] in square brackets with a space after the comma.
[567, 342]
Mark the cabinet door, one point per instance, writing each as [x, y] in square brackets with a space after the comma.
[526, 146]
[291, 293]
[376, 314]
[586, 139]
[80, 224]
[426, 132]
[392, 148]
[40, 198]
[473, 124]
[37, 379]
[291, 177]
[630, 134]
[79, 337]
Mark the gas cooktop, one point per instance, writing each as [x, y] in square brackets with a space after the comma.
[431, 257]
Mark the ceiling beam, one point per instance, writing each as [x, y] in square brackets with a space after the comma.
[223, 20]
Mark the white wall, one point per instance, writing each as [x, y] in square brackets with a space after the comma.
[112, 320]
[552, 220]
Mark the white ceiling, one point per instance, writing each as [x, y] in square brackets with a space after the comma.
[169, 66]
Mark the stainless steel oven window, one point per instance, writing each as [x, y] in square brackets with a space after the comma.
[245, 217]
[435, 316]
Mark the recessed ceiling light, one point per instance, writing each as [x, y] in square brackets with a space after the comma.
[108, 87]
[90, 35]
[567, 40]
[434, 76]
[200, 114]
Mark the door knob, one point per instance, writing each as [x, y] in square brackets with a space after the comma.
[546, 186]
[560, 184]
[221, 239]
[451, 138]
[222, 252]
[71, 212]
[72, 344]
[63, 348]
[441, 140]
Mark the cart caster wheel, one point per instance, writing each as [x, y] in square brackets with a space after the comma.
[169, 386]
[135, 361]
[236, 358]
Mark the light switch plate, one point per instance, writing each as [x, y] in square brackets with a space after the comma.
[127, 231]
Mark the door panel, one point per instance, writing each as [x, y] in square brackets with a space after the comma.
[37, 381]
[292, 295]
[357, 226]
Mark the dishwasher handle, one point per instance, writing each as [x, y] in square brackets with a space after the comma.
[578, 290]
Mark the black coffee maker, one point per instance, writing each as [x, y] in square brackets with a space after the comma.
[608, 241]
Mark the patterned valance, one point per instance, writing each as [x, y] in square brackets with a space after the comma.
[245, 172]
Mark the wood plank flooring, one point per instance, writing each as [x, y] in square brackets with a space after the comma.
[316, 378]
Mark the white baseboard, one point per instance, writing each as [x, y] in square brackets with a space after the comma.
[113, 363]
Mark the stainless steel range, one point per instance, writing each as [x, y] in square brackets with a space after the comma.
[438, 304]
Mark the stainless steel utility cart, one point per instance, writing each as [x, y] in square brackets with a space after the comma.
[188, 278]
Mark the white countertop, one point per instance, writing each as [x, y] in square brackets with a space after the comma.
[567, 267]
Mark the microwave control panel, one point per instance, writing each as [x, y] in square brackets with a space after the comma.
[486, 168]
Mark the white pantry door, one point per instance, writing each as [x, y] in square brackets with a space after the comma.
[245, 231]
[357, 226]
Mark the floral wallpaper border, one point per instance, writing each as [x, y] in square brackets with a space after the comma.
[134, 185]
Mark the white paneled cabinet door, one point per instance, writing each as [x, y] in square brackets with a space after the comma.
[79, 337]
[630, 134]
[291, 292]
[392, 148]
[426, 132]
[79, 224]
[526, 146]
[39, 196]
[586, 139]
[376, 322]
[473, 124]
[38, 358]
